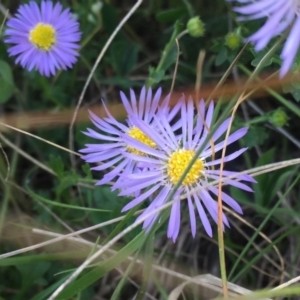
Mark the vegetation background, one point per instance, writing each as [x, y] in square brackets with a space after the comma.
[46, 190]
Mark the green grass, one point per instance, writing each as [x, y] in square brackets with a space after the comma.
[47, 192]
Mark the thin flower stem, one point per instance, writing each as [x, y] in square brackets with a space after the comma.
[176, 66]
[200, 64]
[38, 138]
[220, 209]
[222, 249]
[176, 35]
[220, 203]
[228, 71]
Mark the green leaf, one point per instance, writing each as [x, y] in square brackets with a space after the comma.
[156, 76]
[261, 188]
[65, 182]
[281, 180]
[55, 203]
[294, 89]
[258, 57]
[116, 295]
[170, 15]
[221, 57]
[109, 17]
[57, 165]
[269, 184]
[7, 87]
[86, 168]
[256, 135]
[122, 224]
[296, 94]
[170, 58]
[124, 54]
[48, 291]
[103, 268]
[35, 259]
[103, 197]
[147, 266]
[30, 275]
[31, 272]
[6, 73]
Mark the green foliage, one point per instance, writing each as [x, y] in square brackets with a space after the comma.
[170, 15]
[7, 86]
[103, 267]
[123, 56]
[259, 56]
[293, 88]
[42, 188]
[256, 135]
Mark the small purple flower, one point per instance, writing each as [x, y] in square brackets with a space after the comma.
[167, 163]
[43, 38]
[280, 15]
[110, 152]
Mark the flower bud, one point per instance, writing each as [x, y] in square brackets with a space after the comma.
[279, 118]
[96, 7]
[195, 27]
[233, 40]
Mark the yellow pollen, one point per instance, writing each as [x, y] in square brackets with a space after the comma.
[178, 162]
[43, 36]
[139, 135]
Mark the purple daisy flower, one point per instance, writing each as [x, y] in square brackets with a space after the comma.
[167, 163]
[111, 151]
[280, 15]
[43, 38]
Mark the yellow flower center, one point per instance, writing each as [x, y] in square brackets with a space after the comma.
[43, 36]
[178, 162]
[139, 135]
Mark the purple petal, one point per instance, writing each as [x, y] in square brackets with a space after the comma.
[233, 183]
[155, 102]
[141, 146]
[244, 177]
[192, 216]
[147, 118]
[140, 199]
[157, 202]
[203, 216]
[144, 184]
[226, 158]
[174, 221]
[108, 164]
[190, 122]
[212, 207]
[227, 199]
[142, 102]
[231, 139]
[133, 103]
[92, 133]
[290, 48]
[184, 124]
